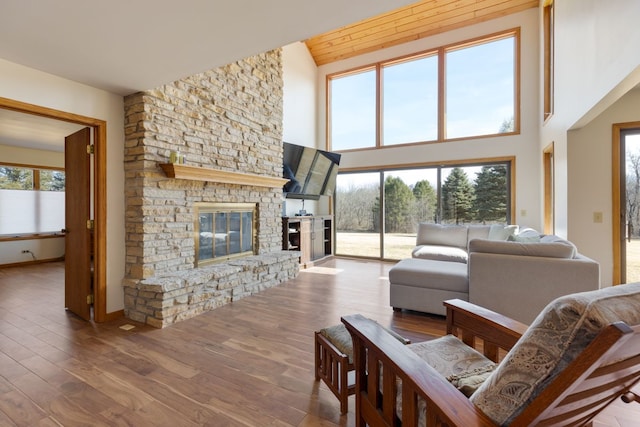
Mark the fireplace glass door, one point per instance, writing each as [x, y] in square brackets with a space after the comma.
[224, 231]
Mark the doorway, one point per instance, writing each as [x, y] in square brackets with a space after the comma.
[626, 202]
[98, 129]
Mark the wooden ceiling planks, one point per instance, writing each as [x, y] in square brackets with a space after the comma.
[418, 20]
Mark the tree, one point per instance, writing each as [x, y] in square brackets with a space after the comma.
[633, 193]
[457, 197]
[425, 200]
[51, 180]
[355, 208]
[398, 208]
[16, 178]
[490, 203]
[507, 125]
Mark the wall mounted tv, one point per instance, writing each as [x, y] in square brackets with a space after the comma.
[311, 172]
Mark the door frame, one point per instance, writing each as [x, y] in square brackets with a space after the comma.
[548, 162]
[616, 209]
[99, 128]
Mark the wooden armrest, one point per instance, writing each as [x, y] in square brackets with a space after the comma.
[469, 321]
[375, 347]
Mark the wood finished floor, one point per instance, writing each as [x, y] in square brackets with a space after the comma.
[246, 364]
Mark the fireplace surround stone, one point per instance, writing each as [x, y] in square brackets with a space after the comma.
[228, 119]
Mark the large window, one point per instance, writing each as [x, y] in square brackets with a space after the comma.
[31, 200]
[464, 90]
[377, 213]
[548, 24]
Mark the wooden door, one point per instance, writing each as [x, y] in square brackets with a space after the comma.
[77, 288]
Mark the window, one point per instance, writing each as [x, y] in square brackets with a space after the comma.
[377, 212]
[407, 100]
[353, 101]
[31, 200]
[548, 24]
[480, 88]
[410, 101]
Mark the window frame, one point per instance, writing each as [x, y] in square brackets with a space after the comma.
[440, 53]
[36, 173]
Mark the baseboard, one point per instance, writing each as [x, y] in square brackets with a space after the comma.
[32, 262]
[114, 315]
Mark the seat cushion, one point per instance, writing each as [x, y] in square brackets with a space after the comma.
[464, 367]
[340, 338]
[423, 273]
[461, 365]
[560, 332]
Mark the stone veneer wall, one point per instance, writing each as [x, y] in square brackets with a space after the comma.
[229, 119]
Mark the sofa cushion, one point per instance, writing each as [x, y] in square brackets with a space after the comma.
[440, 253]
[442, 235]
[501, 232]
[526, 235]
[560, 332]
[448, 276]
[475, 231]
[556, 249]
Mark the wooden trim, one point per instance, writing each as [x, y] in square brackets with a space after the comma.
[34, 236]
[100, 222]
[197, 173]
[549, 200]
[30, 166]
[100, 197]
[548, 45]
[463, 162]
[617, 215]
[114, 315]
[35, 261]
[616, 196]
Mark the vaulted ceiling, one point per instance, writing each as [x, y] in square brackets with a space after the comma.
[415, 21]
[123, 46]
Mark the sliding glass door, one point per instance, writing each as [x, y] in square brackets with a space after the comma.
[377, 213]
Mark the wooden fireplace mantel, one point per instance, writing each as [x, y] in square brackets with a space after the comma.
[197, 173]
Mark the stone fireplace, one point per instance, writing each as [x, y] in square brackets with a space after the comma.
[224, 122]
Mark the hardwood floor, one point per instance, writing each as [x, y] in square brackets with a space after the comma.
[246, 364]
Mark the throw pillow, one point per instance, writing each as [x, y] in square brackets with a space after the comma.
[501, 232]
[560, 332]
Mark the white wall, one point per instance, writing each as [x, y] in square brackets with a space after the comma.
[35, 87]
[29, 156]
[597, 61]
[590, 182]
[300, 112]
[524, 146]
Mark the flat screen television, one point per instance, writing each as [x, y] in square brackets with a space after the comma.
[311, 172]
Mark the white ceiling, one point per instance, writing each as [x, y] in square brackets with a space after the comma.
[125, 46]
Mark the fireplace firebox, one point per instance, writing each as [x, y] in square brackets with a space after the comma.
[224, 231]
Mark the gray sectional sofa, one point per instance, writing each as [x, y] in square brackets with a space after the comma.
[511, 271]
